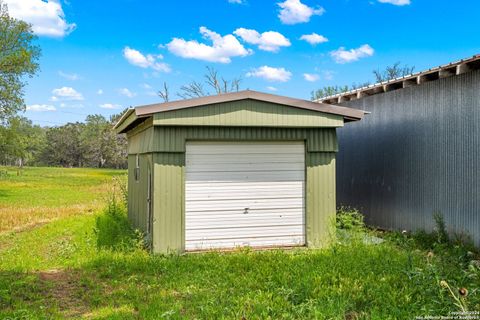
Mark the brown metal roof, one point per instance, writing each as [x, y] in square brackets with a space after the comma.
[139, 112]
[349, 113]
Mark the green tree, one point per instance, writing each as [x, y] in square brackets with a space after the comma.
[64, 146]
[103, 147]
[21, 142]
[93, 140]
[18, 59]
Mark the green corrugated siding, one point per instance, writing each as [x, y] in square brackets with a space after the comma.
[172, 139]
[137, 191]
[320, 198]
[141, 142]
[168, 202]
[247, 113]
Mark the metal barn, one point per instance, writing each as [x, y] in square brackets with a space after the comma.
[238, 169]
[418, 152]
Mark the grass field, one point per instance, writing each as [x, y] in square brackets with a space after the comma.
[36, 195]
[66, 267]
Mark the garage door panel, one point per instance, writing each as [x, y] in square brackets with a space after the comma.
[240, 158]
[224, 178]
[241, 204]
[246, 167]
[242, 222]
[285, 175]
[253, 242]
[209, 148]
[237, 193]
[245, 232]
[252, 214]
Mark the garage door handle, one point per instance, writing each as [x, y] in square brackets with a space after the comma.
[246, 210]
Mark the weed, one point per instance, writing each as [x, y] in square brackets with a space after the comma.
[120, 183]
[113, 229]
[440, 228]
[350, 219]
[460, 298]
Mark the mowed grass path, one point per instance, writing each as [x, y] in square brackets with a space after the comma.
[35, 195]
[57, 271]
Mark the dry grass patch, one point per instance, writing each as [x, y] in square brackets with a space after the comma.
[20, 219]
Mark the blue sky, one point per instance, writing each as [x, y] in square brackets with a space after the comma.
[102, 56]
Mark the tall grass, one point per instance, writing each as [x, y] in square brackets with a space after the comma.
[112, 227]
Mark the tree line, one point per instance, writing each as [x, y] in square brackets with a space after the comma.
[92, 143]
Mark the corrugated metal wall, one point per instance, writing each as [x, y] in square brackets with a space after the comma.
[320, 198]
[251, 112]
[168, 202]
[418, 152]
[137, 191]
[172, 139]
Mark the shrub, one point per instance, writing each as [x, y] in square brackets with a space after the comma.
[114, 231]
[350, 219]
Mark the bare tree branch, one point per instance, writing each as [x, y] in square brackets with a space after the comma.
[192, 90]
[164, 94]
[212, 79]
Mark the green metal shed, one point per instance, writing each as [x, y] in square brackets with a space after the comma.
[237, 169]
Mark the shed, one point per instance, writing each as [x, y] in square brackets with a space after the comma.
[236, 169]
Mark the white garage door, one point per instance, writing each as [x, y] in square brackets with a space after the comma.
[244, 194]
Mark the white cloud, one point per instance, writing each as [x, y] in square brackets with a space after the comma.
[223, 48]
[127, 93]
[145, 86]
[344, 56]
[110, 106]
[138, 59]
[99, 92]
[41, 108]
[313, 38]
[396, 2]
[312, 77]
[69, 76]
[267, 41]
[270, 74]
[46, 17]
[293, 12]
[66, 94]
[272, 88]
[235, 1]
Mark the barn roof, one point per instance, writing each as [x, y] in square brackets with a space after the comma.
[443, 71]
[135, 115]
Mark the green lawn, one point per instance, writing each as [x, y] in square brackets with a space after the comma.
[57, 270]
[35, 195]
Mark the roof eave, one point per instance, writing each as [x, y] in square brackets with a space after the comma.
[147, 110]
[125, 120]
